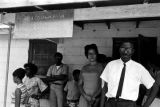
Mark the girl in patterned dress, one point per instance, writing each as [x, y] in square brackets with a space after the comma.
[35, 86]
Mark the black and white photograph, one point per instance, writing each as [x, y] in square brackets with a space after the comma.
[80, 53]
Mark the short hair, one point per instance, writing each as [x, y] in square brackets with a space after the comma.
[91, 46]
[20, 73]
[32, 67]
[76, 71]
[101, 58]
[58, 54]
[132, 45]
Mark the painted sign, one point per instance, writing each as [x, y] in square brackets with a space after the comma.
[49, 24]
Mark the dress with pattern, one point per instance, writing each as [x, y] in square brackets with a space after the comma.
[34, 85]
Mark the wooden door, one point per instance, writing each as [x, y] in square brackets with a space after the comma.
[147, 48]
[41, 53]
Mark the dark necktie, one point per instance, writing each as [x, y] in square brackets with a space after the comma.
[119, 91]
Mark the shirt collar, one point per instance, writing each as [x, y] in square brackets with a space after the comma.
[127, 63]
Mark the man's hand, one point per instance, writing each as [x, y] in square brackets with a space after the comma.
[88, 98]
[145, 105]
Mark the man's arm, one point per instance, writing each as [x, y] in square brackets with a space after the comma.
[103, 92]
[152, 95]
[17, 97]
[61, 77]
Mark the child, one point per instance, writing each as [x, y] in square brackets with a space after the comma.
[72, 90]
[35, 86]
[19, 96]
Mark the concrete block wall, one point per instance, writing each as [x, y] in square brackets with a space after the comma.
[73, 48]
[3, 60]
[98, 33]
[18, 56]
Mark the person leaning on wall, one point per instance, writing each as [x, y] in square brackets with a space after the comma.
[58, 76]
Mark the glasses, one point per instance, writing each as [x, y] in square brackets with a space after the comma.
[125, 49]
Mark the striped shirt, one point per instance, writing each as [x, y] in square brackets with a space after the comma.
[23, 89]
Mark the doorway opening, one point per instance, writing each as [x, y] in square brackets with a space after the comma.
[145, 48]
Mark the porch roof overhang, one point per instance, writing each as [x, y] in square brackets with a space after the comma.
[15, 6]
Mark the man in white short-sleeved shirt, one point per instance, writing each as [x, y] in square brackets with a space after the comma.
[135, 74]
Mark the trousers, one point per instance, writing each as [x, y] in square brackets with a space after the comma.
[56, 96]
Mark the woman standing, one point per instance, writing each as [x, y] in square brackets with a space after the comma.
[20, 94]
[90, 82]
[35, 85]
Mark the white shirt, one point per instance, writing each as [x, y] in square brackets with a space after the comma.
[73, 92]
[57, 67]
[135, 75]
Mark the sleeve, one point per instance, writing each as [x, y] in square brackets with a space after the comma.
[105, 73]
[49, 73]
[65, 69]
[102, 85]
[146, 78]
[80, 75]
[42, 86]
[66, 87]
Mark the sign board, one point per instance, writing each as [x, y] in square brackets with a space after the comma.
[49, 24]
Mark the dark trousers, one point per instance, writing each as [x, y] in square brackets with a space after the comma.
[125, 103]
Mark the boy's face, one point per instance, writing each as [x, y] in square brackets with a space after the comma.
[15, 79]
[28, 72]
[58, 59]
[76, 77]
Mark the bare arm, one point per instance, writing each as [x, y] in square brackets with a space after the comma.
[61, 77]
[80, 84]
[104, 91]
[17, 97]
[152, 95]
[26, 99]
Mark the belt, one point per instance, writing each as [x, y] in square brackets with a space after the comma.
[75, 101]
[119, 100]
[57, 83]
[37, 97]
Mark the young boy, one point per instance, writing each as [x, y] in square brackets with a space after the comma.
[72, 90]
